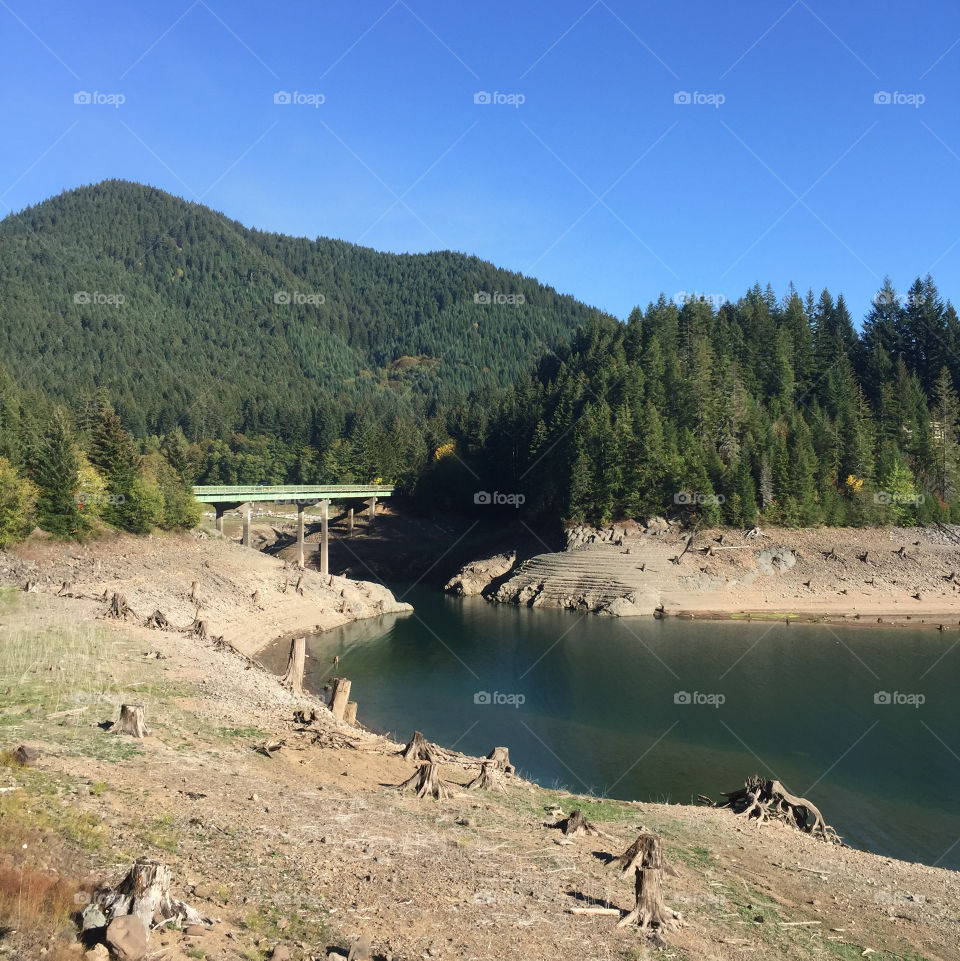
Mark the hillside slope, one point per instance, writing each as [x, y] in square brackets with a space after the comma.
[173, 307]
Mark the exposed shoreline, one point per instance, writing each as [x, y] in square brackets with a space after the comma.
[319, 831]
[887, 577]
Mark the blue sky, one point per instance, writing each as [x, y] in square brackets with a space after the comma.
[782, 167]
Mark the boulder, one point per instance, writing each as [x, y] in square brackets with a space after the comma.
[477, 576]
[127, 938]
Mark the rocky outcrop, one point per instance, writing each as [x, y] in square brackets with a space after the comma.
[478, 576]
[366, 599]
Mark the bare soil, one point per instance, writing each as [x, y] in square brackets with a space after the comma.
[313, 847]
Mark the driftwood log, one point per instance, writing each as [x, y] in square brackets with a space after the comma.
[419, 749]
[645, 858]
[131, 721]
[766, 799]
[426, 781]
[293, 679]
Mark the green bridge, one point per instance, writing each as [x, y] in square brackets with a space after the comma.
[225, 498]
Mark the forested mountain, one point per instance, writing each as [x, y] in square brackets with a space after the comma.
[148, 344]
[188, 318]
[760, 409]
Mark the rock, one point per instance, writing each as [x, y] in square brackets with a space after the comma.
[127, 938]
[280, 953]
[477, 576]
[92, 917]
[195, 930]
[25, 754]
[656, 525]
[98, 952]
[776, 560]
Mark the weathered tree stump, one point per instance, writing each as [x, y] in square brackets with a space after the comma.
[490, 778]
[419, 749]
[340, 697]
[764, 799]
[293, 679]
[158, 621]
[645, 858]
[500, 756]
[145, 892]
[299, 587]
[576, 825]
[31, 587]
[198, 628]
[426, 781]
[119, 609]
[350, 715]
[131, 721]
[195, 592]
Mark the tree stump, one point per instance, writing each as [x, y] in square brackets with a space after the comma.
[763, 799]
[341, 695]
[576, 825]
[645, 858]
[195, 592]
[419, 749]
[131, 721]
[293, 679]
[119, 609]
[145, 892]
[350, 715]
[490, 778]
[158, 621]
[500, 756]
[426, 781]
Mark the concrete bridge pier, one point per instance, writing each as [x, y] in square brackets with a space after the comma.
[372, 510]
[324, 537]
[219, 510]
[350, 520]
[246, 525]
[300, 510]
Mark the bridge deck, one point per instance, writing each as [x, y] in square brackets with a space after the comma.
[240, 494]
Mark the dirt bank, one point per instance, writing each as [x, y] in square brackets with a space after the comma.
[310, 849]
[893, 575]
[248, 597]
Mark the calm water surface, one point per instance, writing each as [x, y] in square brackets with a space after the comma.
[600, 707]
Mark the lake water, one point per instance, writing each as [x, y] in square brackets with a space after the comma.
[666, 710]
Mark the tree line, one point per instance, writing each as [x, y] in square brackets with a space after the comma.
[759, 409]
